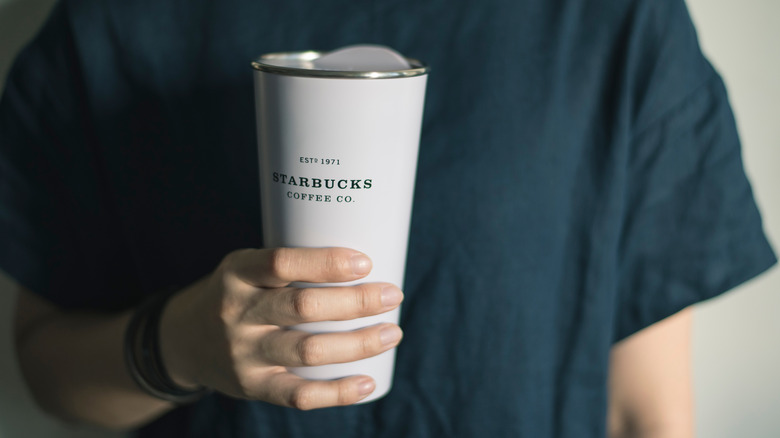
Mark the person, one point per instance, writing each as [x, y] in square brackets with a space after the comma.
[579, 187]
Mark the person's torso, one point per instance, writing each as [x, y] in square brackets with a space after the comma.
[510, 284]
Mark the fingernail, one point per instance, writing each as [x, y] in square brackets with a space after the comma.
[390, 334]
[361, 265]
[391, 296]
[366, 386]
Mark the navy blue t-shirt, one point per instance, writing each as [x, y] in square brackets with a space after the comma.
[579, 179]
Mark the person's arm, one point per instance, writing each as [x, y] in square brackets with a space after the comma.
[74, 367]
[223, 332]
[650, 387]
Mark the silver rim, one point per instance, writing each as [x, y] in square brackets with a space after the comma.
[418, 68]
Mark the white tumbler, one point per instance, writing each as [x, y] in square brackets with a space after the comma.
[338, 140]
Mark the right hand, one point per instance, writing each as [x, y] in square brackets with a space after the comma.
[227, 332]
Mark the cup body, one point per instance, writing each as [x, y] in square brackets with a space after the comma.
[338, 158]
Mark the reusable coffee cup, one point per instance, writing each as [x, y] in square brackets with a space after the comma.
[338, 138]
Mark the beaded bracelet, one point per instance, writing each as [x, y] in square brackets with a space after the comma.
[144, 359]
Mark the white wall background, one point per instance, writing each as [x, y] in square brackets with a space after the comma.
[736, 337]
[736, 348]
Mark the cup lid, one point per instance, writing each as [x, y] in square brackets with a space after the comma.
[354, 62]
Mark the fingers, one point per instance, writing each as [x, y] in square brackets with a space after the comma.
[290, 306]
[256, 301]
[286, 389]
[292, 348]
[279, 267]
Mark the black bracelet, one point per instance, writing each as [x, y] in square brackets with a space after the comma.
[143, 357]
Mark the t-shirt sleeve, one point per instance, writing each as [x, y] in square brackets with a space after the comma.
[692, 229]
[57, 228]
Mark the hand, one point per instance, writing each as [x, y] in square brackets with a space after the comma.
[227, 332]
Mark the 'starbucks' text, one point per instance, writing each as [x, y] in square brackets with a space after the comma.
[322, 183]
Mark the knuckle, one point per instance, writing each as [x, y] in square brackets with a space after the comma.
[310, 352]
[305, 304]
[236, 353]
[238, 382]
[225, 316]
[367, 345]
[226, 276]
[364, 299]
[344, 395]
[334, 262]
[230, 310]
[229, 260]
[245, 388]
[302, 398]
[279, 262]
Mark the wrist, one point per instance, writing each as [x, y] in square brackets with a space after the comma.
[143, 355]
[177, 348]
